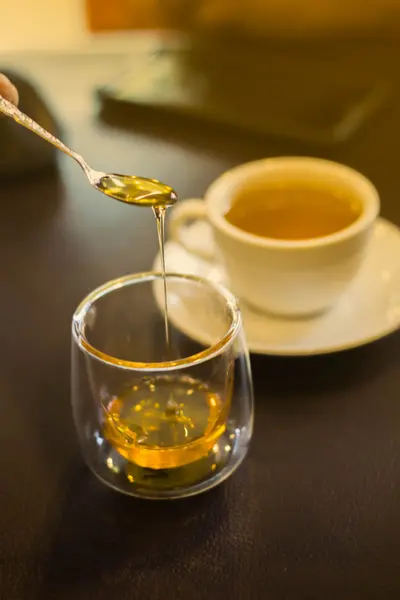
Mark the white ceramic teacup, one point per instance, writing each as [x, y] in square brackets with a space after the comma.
[291, 278]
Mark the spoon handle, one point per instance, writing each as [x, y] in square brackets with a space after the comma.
[13, 112]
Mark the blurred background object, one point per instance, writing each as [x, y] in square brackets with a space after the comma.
[129, 14]
[251, 17]
[307, 70]
[302, 69]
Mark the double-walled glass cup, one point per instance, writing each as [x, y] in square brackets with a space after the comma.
[161, 414]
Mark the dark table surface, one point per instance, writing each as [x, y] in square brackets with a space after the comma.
[313, 512]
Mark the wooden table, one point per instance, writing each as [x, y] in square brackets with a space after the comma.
[314, 511]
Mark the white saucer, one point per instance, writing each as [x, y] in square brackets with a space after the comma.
[368, 311]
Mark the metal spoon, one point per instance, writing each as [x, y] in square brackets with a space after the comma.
[125, 188]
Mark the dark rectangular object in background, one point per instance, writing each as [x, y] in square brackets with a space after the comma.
[260, 88]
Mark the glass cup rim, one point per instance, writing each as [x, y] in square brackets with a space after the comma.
[145, 277]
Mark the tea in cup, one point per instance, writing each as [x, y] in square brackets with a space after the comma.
[292, 233]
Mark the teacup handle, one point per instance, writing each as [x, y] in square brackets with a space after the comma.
[183, 213]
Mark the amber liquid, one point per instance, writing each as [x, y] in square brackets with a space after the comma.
[139, 191]
[159, 213]
[165, 422]
[170, 421]
[293, 212]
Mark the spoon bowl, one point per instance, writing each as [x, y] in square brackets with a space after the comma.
[136, 190]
